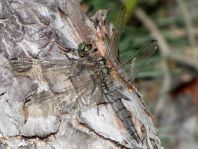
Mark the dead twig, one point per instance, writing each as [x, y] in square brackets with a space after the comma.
[179, 33]
[188, 22]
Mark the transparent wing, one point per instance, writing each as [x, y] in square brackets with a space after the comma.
[136, 62]
[21, 64]
[54, 72]
[25, 64]
[113, 45]
[68, 80]
[48, 103]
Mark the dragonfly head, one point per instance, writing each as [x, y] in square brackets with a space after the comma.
[84, 48]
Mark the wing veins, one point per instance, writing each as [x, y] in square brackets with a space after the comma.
[140, 57]
[112, 48]
[44, 101]
[49, 65]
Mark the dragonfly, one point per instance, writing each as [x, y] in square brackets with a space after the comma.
[87, 77]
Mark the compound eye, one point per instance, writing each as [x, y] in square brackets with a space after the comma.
[82, 45]
[88, 47]
[84, 49]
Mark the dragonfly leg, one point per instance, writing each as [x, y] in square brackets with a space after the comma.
[99, 105]
[64, 49]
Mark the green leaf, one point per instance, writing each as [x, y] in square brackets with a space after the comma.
[130, 5]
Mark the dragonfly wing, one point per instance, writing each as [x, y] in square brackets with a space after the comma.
[66, 79]
[25, 64]
[22, 64]
[48, 103]
[41, 104]
[58, 76]
[113, 46]
[139, 59]
[54, 72]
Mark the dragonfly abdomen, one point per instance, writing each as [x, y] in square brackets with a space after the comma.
[125, 116]
[121, 111]
[115, 99]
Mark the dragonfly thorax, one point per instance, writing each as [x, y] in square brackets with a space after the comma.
[102, 61]
[104, 69]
